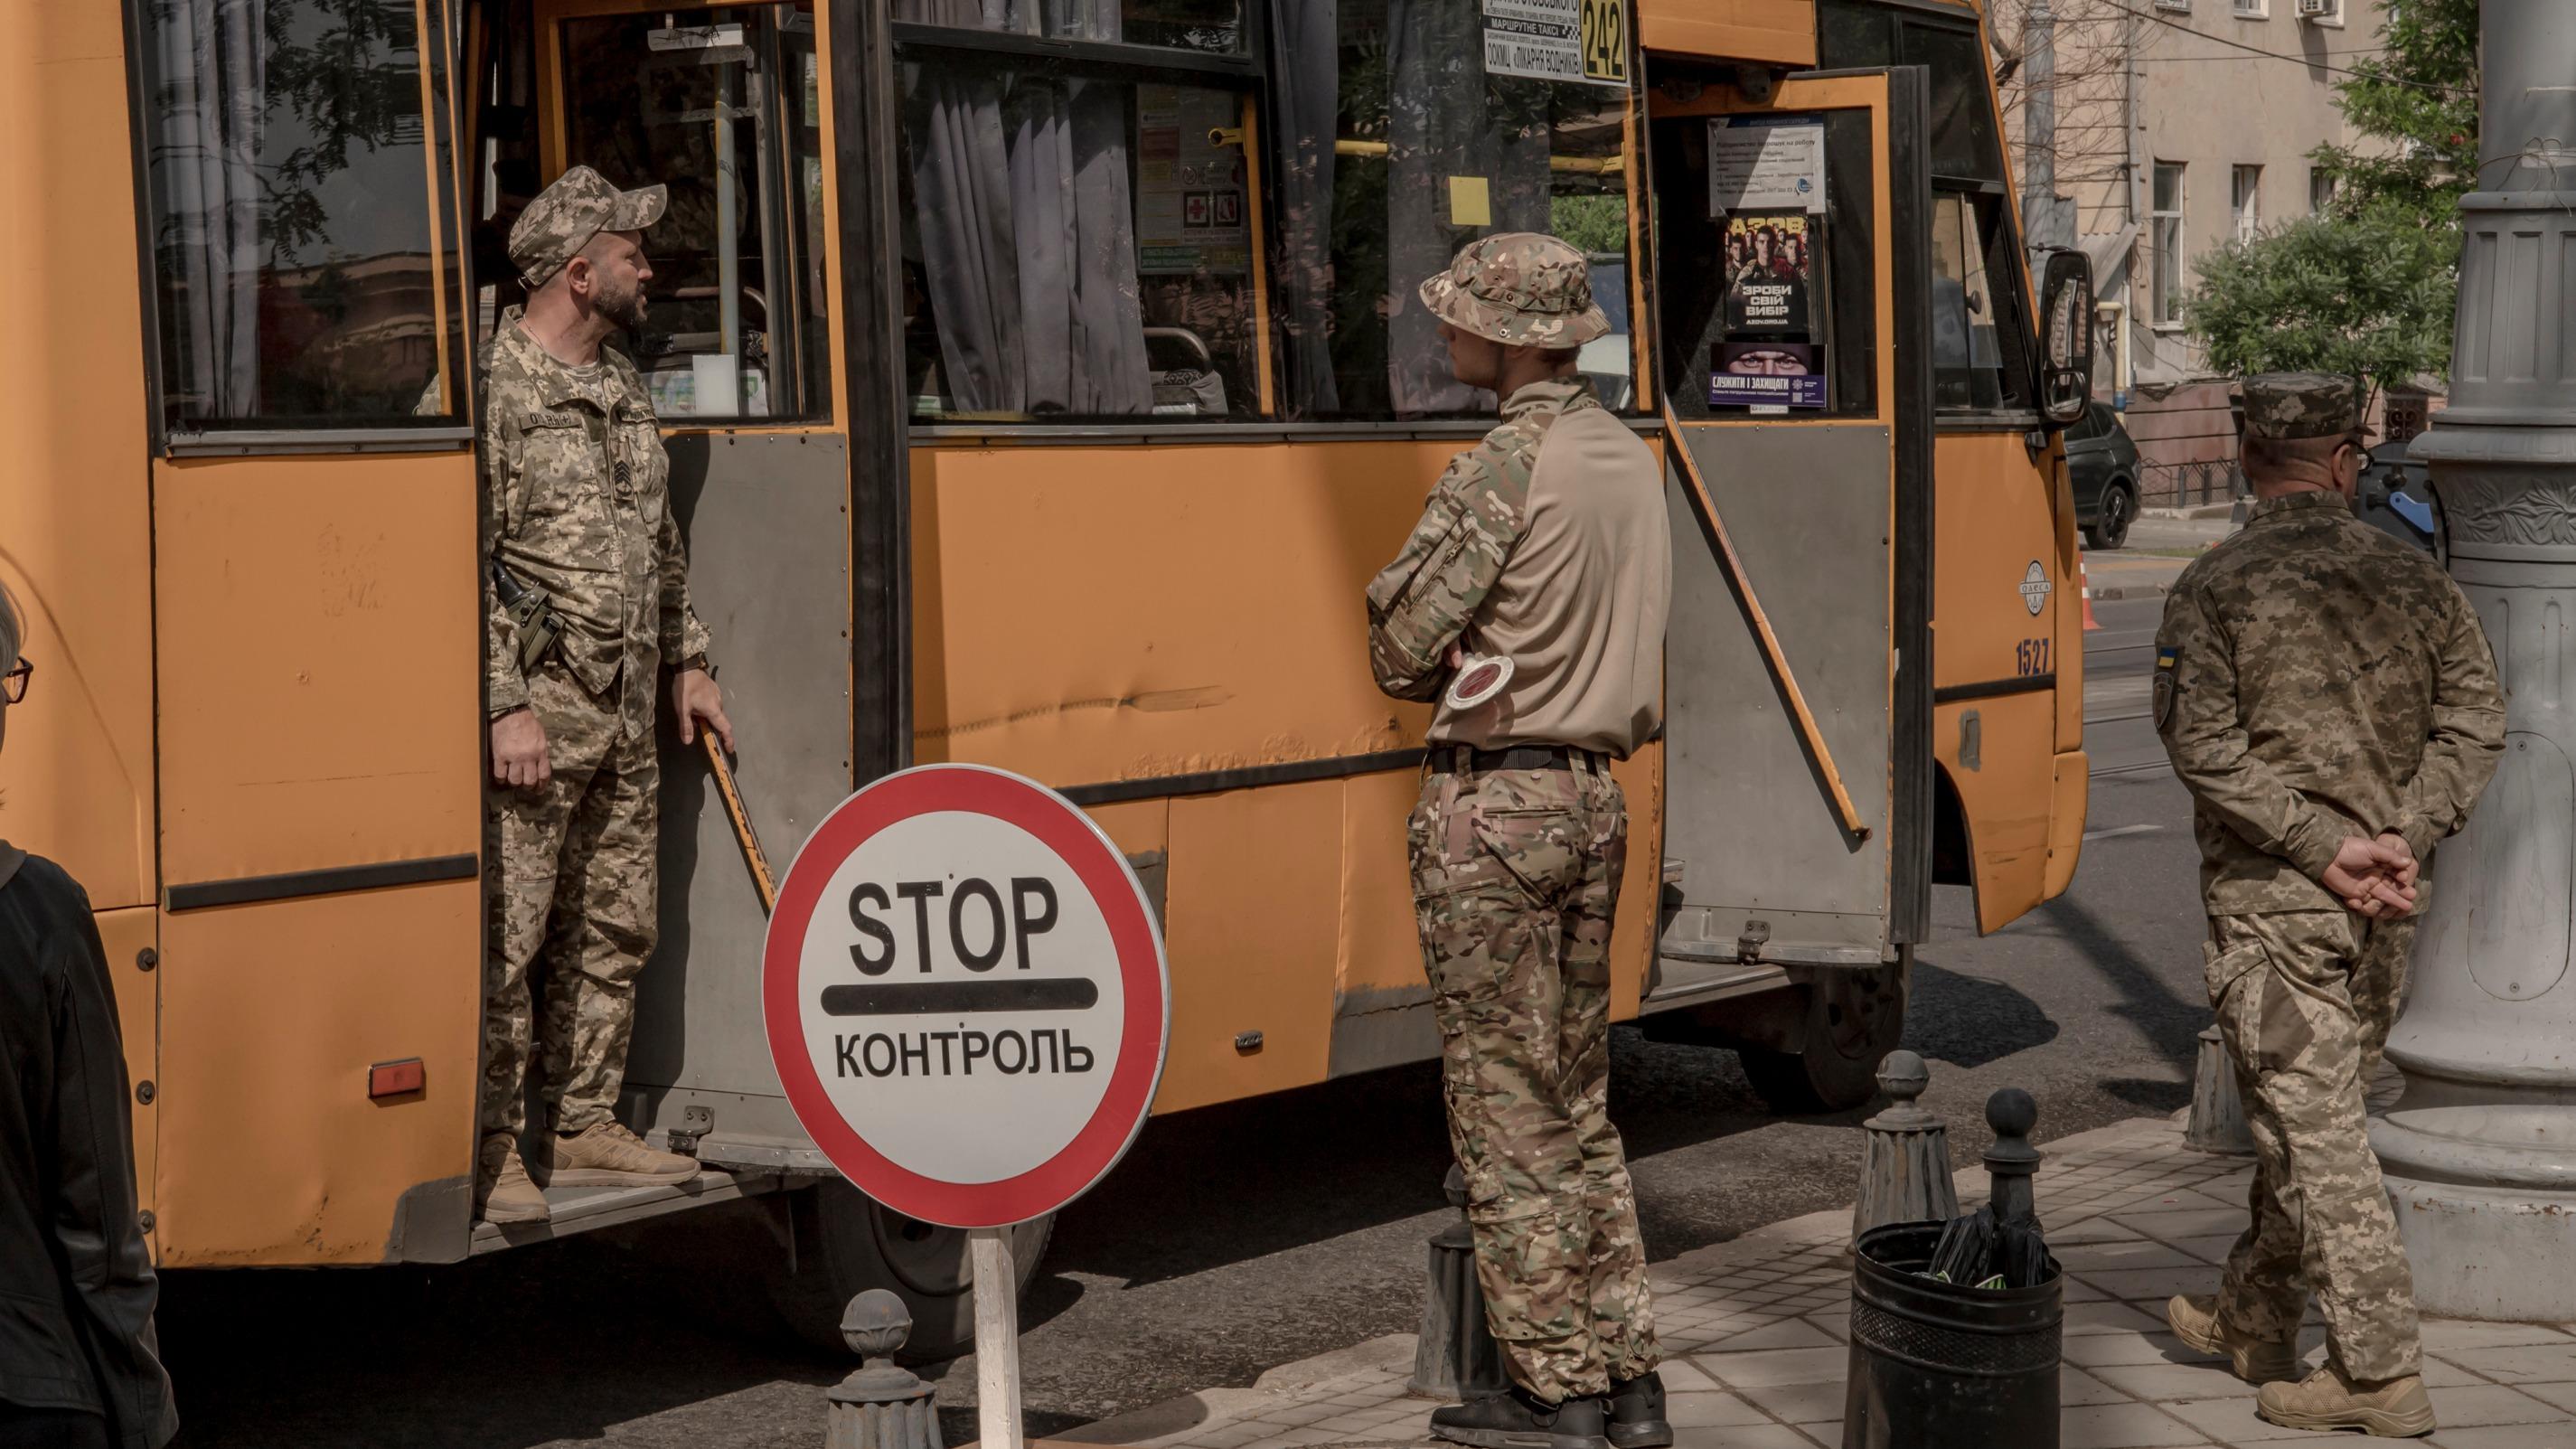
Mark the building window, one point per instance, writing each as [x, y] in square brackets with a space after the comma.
[2165, 242]
[2251, 9]
[2321, 190]
[295, 263]
[2245, 203]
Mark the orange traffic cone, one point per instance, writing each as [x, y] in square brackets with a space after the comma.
[2085, 577]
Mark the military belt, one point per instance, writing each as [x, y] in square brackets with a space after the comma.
[1453, 759]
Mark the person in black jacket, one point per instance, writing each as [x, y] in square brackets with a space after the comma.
[79, 1365]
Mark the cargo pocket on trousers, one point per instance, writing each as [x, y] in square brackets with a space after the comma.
[2258, 1012]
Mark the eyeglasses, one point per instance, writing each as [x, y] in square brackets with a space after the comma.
[13, 685]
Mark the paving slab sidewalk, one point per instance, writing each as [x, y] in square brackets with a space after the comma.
[1756, 1332]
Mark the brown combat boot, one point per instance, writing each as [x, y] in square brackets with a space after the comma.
[2194, 1319]
[607, 1155]
[504, 1194]
[2391, 1409]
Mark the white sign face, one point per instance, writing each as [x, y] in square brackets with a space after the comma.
[1585, 41]
[1765, 166]
[965, 996]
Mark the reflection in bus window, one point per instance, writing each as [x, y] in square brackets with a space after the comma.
[1377, 196]
[1074, 246]
[1967, 362]
[737, 326]
[290, 224]
[1215, 26]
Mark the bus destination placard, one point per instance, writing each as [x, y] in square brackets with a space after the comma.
[966, 996]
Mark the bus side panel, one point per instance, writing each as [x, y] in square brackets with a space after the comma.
[1993, 519]
[1776, 32]
[126, 935]
[1089, 614]
[75, 520]
[319, 646]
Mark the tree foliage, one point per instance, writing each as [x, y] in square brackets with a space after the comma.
[2369, 294]
[2417, 98]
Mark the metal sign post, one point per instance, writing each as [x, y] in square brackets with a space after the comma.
[968, 1006]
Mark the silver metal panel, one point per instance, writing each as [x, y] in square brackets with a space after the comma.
[1807, 506]
[768, 532]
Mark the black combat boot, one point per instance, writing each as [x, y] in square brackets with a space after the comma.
[1637, 1413]
[1517, 1419]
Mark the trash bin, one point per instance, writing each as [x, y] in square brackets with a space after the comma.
[1937, 1366]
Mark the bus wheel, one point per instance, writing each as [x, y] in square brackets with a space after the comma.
[846, 1243]
[1854, 1019]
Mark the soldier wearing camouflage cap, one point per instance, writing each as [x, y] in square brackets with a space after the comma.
[1546, 545]
[2330, 701]
[578, 509]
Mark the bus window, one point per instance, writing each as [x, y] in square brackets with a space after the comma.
[1967, 360]
[1398, 148]
[1075, 245]
[296, 266]
[723, 111]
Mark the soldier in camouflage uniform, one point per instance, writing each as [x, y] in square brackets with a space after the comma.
[2329, 699]
[577, 504]
[1545, 544]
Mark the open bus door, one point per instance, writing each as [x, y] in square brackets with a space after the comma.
[1793, 256]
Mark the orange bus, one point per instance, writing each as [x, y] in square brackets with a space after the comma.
[1043, 381]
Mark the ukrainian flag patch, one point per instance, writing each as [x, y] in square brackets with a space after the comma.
[2165, 658]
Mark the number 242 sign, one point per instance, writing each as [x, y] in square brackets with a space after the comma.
[1605, 41]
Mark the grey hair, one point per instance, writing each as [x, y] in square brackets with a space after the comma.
[13, 628]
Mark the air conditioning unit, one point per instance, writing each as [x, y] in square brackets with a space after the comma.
[2183, 6]
[2319, 9]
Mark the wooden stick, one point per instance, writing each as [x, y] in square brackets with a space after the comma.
[1771, 650]
[997, 1338]
[752, 854]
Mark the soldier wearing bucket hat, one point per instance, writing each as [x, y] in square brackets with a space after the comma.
[1544, 545]
[578, 532]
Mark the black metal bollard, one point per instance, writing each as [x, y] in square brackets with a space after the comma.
[1456, 1356]
[881, 1405]
[1904, 1155]
[1945, 1366]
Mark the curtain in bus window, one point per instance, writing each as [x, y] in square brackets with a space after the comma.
[1026, 223]
[1447, 118]
[1305, 94]
[290, 208]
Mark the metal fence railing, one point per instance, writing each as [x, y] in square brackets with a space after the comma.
[2184, 485]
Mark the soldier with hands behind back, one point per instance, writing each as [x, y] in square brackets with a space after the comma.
[1545, 545]
[578, 530]
[2329, 699]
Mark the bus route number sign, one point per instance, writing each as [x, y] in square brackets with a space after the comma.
[966, 996]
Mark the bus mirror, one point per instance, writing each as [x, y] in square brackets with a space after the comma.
[2066, 346]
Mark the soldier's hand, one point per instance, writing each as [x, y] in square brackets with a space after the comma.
[2364, 877]
[2404, 874]
[695, 699]
[519, 750]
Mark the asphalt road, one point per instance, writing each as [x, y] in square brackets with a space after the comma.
[1232, 1238]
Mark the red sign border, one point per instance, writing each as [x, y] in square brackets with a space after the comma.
[1133, 1078]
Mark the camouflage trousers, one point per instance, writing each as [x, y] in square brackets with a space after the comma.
[2305, 1000]
[1515, 874]
[575, 906]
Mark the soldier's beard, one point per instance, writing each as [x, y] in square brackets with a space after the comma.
[626, 309]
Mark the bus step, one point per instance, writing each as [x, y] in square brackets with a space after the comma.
[581, 1209]
[1685, 980]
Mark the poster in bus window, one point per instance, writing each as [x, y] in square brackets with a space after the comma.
[1767, 375]
[1770, 274]
[1189, 189]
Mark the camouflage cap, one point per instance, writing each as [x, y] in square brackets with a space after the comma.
[2283, 406]
[562, 220]
[1524, 288]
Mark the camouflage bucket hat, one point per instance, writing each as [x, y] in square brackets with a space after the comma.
[2284, 406]
[562, 220]
[1523, 288]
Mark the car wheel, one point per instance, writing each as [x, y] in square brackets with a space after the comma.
[2118, 508]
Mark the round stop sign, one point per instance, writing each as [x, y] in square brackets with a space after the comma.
[966, 995]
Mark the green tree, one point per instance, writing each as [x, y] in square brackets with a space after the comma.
[2370, 294]
[2417, 99]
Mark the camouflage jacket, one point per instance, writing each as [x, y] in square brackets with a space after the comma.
[1420, 604]
[577, 502]
[2317, 679]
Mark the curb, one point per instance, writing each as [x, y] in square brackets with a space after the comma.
[2103, 592]
[1303, 1377]
[2195, 511]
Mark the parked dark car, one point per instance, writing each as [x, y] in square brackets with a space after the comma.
[2395, 498]
[2103, 465]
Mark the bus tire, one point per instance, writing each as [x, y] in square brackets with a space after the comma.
[845, 1243]
[1854, 1019]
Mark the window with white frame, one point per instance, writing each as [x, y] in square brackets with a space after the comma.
[2245, 202]
[2165, 242]
[2252, 9]
[2321, 190]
